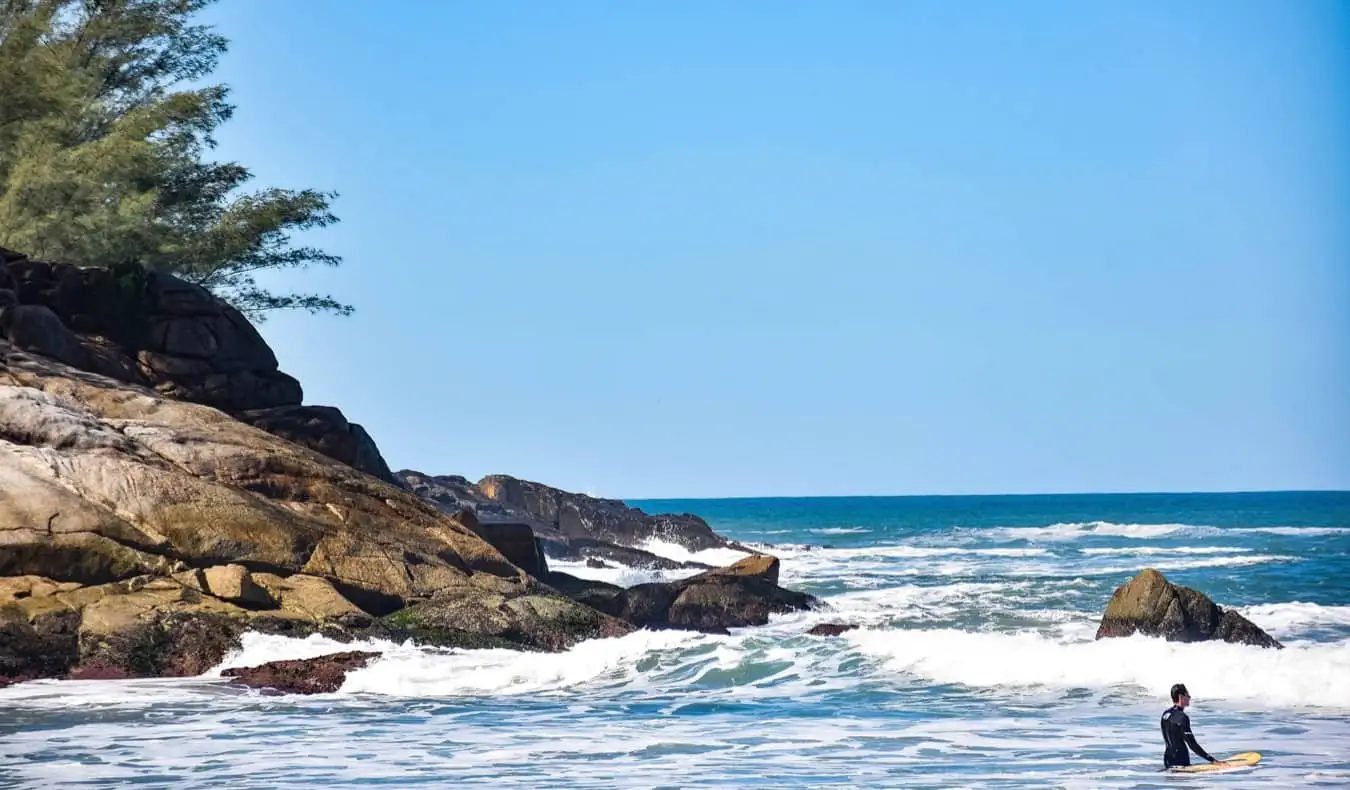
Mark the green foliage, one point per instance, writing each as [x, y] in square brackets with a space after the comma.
[102, 152]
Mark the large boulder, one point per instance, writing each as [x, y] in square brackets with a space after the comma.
[234, 583]
[485, 614]
[1151, 605]
[322, 675]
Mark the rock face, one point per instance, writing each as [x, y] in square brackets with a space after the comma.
[322, 675]
[1149, 604]
[323, 428]
[581, 516]
[569, 526]
[516, 542]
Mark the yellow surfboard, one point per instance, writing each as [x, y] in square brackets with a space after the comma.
[1244, 760]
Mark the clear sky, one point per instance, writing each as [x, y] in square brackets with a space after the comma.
[782, 248]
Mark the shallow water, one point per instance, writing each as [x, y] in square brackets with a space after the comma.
[975, 667]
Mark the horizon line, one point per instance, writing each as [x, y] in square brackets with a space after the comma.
[794, 497]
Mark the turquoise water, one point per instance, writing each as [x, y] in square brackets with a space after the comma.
[975, 667]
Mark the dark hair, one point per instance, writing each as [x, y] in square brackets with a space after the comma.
[1178, 690]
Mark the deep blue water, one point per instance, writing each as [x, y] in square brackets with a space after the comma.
[975, 666]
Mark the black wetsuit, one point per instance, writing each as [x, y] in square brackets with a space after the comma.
[1176, 730]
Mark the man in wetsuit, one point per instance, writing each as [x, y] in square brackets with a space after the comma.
[1176, 730]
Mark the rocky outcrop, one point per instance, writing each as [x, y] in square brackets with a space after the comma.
[568, 526]
[322, 675]
[581, 516]
[1149, 604]
[143, 528]
[150, 532]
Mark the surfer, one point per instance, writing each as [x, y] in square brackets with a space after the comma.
[1176, 730]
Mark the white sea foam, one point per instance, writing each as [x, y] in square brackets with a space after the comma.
[1073, 531]
[1294, 616]
[903, 551]
[1310, 532]
[1208, 562]
[841, 530]
[1315, 675]
[415, 672]
[258, 649]
[408, 670]
[1164, 550]
[674, 551]
[1107, 529]
[622, 575]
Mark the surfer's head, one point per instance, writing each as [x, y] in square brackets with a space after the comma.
[1180, 696]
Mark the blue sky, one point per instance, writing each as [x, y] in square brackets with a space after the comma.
[755, 248]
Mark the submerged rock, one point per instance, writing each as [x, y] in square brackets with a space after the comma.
[830, 629]
[322, 675]
[1149, 604]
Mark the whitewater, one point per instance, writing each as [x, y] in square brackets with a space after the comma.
[974, 664]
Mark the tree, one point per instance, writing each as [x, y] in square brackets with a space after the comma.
[103, 146]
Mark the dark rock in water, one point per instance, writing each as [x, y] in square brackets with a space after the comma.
[322, 675]
[739, 595]
[830, 629]
[1149, 604]
[598, 595]
[325, 430]
[594, 562]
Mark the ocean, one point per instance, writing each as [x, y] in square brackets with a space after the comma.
[974, 666]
